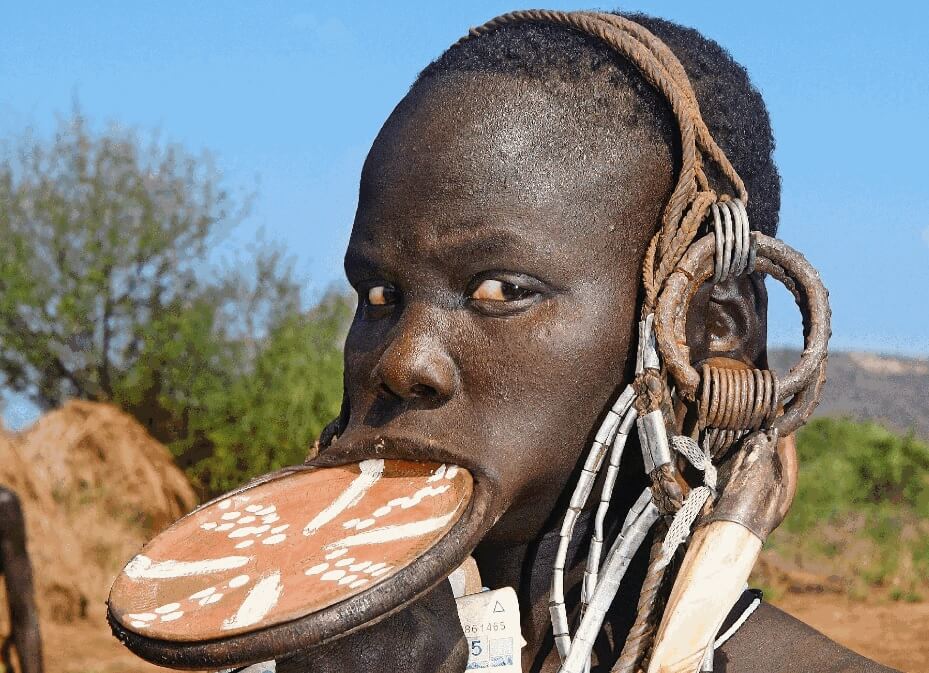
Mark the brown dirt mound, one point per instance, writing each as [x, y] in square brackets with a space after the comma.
[94, 486]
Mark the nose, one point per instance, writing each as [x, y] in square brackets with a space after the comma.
[416, 365]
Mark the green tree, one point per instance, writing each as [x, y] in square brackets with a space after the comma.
[853, 466]
[102, 239]
[271, 415]
[106, 293]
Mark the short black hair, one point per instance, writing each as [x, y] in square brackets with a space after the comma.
[732, 107]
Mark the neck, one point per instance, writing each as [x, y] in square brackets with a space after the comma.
[528, 569]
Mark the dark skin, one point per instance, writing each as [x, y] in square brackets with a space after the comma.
[498, 298]
[14, 564]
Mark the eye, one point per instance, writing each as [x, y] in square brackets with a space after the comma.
[506, 293]
[493, 289]
[377, 300]
[380, 295]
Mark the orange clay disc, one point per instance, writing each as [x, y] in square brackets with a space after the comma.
[286, 547]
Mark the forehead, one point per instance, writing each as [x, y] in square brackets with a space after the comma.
[473, 151]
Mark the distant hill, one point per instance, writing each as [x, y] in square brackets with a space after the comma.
[893, 391]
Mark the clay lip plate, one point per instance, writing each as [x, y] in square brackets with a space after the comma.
[287, 546]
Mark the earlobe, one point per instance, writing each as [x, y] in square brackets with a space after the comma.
[729, 319]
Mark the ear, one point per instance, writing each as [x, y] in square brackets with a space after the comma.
[730, 320]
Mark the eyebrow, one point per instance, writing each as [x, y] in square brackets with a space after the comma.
[356, 264]
[490, 241]
[496, 246]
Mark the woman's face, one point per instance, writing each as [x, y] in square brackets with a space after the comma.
[496, 253]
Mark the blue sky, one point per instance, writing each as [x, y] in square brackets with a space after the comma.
[288, 96]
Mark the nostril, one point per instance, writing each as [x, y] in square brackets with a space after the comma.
[387, 392]
[416, 371]
[422, 390]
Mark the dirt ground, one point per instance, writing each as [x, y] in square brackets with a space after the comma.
[88, 647]
[892, 633]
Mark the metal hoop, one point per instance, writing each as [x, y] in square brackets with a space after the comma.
[799, 389]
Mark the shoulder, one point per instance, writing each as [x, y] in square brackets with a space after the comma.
[771, 641]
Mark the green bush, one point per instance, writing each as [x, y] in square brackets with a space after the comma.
[860, 512]
[848, 466]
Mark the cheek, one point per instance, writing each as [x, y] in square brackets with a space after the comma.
[363, 347]
[541, 379]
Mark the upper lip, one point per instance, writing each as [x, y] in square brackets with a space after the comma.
[356, 446]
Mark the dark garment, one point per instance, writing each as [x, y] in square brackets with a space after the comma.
[748, 602]
[771, 641]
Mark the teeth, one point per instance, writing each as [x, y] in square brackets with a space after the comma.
[439, 473]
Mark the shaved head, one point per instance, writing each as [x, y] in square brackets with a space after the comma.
[514, 143]
[575, 64]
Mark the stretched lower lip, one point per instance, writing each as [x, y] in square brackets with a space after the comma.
[414, 518]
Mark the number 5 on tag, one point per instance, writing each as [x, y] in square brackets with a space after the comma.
[490, 621]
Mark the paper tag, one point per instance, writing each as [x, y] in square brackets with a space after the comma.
[490, 621]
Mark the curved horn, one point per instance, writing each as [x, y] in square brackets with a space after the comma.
[722, 553]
